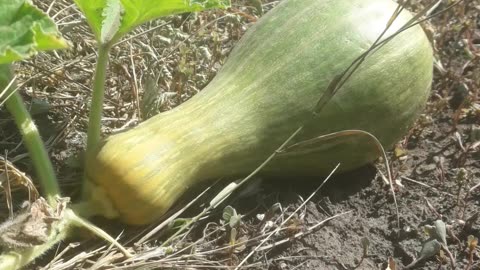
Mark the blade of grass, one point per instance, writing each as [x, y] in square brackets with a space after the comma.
[4, 95]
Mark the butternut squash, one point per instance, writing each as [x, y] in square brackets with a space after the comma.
[265, 90]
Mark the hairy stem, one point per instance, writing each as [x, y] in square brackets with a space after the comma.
[82, 223]
[96, 107]
[31, 137]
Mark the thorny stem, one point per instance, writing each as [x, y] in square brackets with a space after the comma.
[31, 137]
[96, 107]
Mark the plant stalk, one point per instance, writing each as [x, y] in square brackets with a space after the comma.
[78, 221]
[96, 107]
[31, 137]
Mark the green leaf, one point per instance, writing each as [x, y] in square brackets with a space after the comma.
[365, 244]
[429, 249]
[441, 232]
[228, 212]
[112, 15]
[136, 12]
[25, 30]
[178, 223]
[235, 220]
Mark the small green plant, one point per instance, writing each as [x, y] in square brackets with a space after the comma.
[24, 31]
[436, 243]
[237, 242]
[365, 245]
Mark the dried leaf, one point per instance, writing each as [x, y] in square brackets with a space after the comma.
[472, 242]
[391, 264]
[32, 227]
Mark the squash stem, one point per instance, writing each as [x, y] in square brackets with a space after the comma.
[80, 222]
[96, 107]
[31, 137]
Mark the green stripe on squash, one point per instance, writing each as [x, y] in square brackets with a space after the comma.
[266, 89]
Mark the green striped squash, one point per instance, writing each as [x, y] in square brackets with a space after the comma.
[264, 92]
